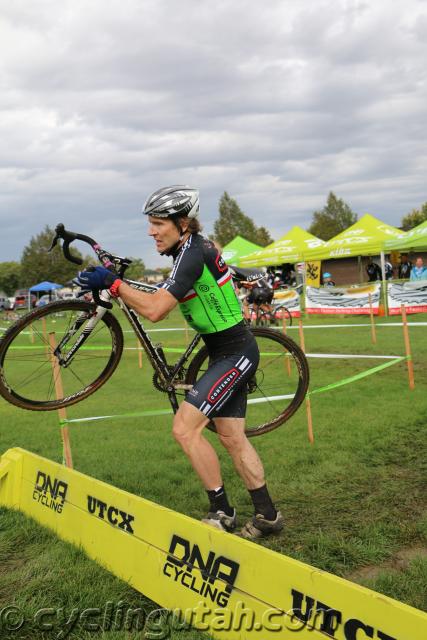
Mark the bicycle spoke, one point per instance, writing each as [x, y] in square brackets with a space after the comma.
[26, 357]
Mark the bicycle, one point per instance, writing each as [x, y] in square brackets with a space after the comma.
[89, 344]
[267, 315]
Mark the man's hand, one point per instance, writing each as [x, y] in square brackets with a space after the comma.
[249, 284]
[96, 278]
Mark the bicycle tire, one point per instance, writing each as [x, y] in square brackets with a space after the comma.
[283, 309]
[27, 377]
[266, 412]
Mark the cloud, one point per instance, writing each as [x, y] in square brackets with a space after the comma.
[102, 103]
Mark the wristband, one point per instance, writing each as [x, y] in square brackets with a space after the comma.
[114, 289]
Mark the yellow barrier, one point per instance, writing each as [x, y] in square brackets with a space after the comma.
[229, 587]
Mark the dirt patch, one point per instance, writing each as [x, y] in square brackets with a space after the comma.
[399, 562]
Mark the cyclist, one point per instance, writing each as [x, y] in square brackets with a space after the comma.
[200, 282]
[260, 294]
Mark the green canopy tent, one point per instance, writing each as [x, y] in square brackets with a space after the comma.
[238, 247]
[291, 248]
[416, 238]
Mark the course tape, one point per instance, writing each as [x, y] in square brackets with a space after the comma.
[164, 412]
[358, 376]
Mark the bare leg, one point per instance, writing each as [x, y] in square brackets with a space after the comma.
[188, 425]
[231, 432]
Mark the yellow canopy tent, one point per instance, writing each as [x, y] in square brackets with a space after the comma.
[416, 238]
[289, 248]
[366, 237]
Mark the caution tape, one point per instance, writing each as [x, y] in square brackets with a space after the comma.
[358, 376]
[329, 387]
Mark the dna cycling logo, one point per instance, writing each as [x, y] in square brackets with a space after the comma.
[50, 492]
[212, 576]
[204, 288]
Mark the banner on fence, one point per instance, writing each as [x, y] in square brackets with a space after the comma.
[291, 299]
[351, 300]
[412, 294]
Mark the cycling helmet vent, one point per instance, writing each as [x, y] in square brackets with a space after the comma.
[177, 200]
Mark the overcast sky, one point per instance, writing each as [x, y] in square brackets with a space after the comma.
[277, 103]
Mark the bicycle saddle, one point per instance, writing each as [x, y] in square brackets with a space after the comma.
[246, 275]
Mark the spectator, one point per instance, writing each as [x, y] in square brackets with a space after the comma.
[419, 271]
[327, 280]
[388, 269]
[405, 266]
[373, 270]
[288, 274]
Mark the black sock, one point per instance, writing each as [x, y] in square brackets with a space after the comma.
[262, 502]
[218, 501]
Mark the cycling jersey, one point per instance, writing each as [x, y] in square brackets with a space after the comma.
[201, 282]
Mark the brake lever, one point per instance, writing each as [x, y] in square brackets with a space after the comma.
[54, 242]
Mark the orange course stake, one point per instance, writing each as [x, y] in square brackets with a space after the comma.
[59, 392]
[371, 313]
[138, 347]
[409, 362]
[307, 399]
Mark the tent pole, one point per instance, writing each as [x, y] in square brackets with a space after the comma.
[384, 283]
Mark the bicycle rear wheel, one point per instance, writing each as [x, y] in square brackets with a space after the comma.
[86, 355]
[278, 387]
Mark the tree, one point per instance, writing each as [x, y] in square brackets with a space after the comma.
[10, 277]
[232, 222]
[336, 216]
[37, 264]
[136, 269]
[414, 218]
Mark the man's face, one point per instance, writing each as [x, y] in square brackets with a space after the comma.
[164, 232]
[419, 263]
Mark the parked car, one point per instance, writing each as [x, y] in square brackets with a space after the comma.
[68, 295]
[43, 300]
[48, 297]
[4, 303]
[21, 299]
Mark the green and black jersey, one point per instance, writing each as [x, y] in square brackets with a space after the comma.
[201, 282]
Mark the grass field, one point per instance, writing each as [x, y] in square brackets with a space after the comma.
[354, 502]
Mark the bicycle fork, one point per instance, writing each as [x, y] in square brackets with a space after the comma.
[65, 361]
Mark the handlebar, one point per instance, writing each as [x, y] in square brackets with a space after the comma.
[114, 264]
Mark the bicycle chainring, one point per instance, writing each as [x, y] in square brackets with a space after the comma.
[163, 386]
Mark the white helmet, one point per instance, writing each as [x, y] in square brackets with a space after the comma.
[177, 200]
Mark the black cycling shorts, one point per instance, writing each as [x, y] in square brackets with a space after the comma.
[221, 391]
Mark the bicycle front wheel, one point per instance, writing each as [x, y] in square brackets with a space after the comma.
[282, 312]
[58, 355]
[278, 387]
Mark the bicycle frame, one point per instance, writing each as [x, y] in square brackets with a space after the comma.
[154, 352]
